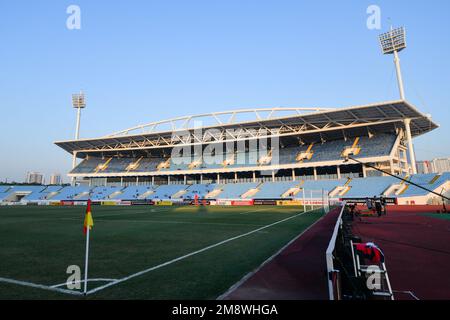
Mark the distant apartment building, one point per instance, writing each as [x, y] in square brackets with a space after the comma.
[55, 179]
[438, 165]
[441, 165]
[35, 177]
[424, 167]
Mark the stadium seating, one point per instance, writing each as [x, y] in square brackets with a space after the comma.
[429, 181]
[98, 193]
[379, 145]
[19, 190]
[165, 192]
[87, 165]
[198, 189]
[70, 193]
[271, 190]
[369, 187]
[42, 194]
[348, 188]
[234, 190]
[132, 192]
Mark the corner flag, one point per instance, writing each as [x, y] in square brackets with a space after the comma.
[88, 224]
[88, 221]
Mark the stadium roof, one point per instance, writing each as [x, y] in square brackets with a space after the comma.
[257, 123]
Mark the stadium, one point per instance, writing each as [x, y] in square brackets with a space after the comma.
[282, 154]
[220, 205]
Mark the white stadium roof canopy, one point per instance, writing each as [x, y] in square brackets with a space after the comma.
[256, 123]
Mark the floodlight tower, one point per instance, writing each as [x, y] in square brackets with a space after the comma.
[78, 102]
[393, 42]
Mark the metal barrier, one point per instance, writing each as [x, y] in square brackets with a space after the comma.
[333, 275]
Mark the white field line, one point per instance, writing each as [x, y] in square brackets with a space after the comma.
[82, 281]
[181, 222]
[250, 274]
[251, 211]
[40, 286]
[407, 292]
[134, 275]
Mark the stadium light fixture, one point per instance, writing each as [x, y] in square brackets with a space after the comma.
[78, 102]
[393, 42]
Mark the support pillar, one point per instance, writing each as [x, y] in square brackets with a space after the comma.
[364, 171]
[254, 176]
[293, 174]
[315, 173]
[412, 157]
[399, 75]
[338, 169]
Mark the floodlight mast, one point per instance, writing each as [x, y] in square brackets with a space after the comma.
[393, 42]
[78, 102]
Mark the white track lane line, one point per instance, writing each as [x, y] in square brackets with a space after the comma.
[191, 254]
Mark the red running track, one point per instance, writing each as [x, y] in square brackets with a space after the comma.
[417, 250]
[298, 272]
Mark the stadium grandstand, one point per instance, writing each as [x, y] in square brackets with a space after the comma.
[255, 154]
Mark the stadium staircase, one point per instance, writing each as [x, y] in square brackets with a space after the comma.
[213, 194]
[251, 192]
[229, 160]
[265, 159]
[355, 149]
[103, 166]
[195, 164]
[292, 192]
[392, 189]
[81, 195]
[306, 155]
[341, 190]
[163, 165]
[134, 165]
[146, 194]
[179, 194]
[115, 193]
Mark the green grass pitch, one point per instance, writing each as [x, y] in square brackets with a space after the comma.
[37, 244]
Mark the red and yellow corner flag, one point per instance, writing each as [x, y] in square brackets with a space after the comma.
[88, 222]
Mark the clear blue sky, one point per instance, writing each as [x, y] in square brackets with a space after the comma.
[140, 61]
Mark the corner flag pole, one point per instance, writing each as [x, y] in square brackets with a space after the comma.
[86, 263]
[88, 224]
